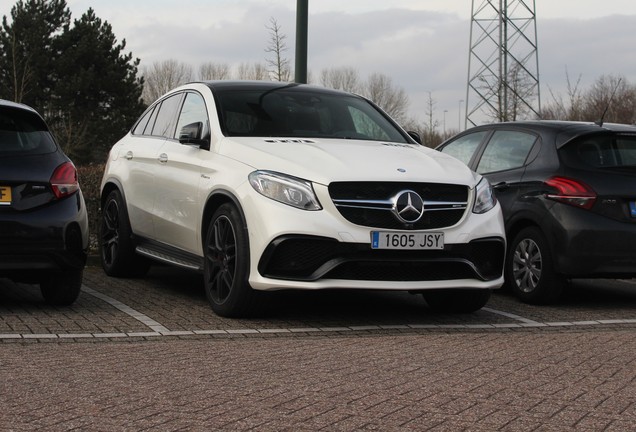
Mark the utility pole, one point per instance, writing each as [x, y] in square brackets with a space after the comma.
[300, 74]
[503, 63]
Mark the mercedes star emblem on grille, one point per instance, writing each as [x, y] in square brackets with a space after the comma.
[408, 206]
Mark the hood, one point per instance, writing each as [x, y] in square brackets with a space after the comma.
[327, 160]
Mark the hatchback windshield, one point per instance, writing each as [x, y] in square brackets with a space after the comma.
[291, 112]
[23, 133]
[601, 151]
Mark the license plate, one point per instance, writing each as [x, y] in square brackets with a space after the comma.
[407, 240]
[5, 195]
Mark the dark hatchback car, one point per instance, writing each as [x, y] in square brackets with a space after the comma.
[568, 195]
[43, 218]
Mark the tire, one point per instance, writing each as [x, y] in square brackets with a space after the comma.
[63, 288]
[457, 300]
[226, 265]
[117, 250]
[530, 270]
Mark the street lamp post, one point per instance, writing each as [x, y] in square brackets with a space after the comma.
[460, 114]
[445, 111]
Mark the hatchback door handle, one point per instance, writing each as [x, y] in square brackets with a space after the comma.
[501, 186]
[163, 158]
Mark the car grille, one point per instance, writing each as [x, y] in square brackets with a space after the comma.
[370, 204]
[312, 258]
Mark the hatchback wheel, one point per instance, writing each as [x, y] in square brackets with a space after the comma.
[62, 289]
[116, 245]
[530, 268]
[226, 265]
[457, 300]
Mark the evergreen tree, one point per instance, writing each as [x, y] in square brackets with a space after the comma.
[26, 50]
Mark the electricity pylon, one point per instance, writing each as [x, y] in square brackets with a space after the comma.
[503, 64]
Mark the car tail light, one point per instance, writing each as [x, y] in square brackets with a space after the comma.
[64, 180]
[573, 192]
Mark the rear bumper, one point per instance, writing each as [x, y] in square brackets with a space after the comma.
[50, 238]
[592, 245]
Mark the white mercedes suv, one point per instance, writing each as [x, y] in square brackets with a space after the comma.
[267, 186]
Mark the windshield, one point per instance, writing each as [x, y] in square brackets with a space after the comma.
[601, 151]
[23, 133]
[303, 113]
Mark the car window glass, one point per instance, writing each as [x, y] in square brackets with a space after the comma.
[294, 112]
[506, 150]
[464, 147]
[23, 133]
[165, 122]
[193, 111]
[600, 151]
[143, 122]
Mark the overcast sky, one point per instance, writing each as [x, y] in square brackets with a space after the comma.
[421, 44]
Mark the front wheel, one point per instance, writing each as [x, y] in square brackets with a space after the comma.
[457, 300]
[226, 265]
[530, 269]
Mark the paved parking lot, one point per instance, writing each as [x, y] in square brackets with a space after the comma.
[149, 354]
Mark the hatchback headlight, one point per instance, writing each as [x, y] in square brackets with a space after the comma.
[484, 197]
[289, 190]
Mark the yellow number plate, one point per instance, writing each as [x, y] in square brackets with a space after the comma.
[5, 195]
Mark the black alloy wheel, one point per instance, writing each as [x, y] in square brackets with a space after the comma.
[226, 265]
[116, 245]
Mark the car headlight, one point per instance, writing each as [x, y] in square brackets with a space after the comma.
[289, 190]
[484, 197]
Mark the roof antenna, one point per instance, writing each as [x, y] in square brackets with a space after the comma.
[611, 99]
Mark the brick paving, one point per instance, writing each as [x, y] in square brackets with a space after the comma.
[149, 354]
[493, 381]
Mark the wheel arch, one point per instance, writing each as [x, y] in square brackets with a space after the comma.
[109, 186]
[216, 200]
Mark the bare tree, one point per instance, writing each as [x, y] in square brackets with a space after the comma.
[394, 100]
[164, 76]
[253, 71]
[343, 78]
[569, 109]
[214, 71]
[278, 65]
[611, 99]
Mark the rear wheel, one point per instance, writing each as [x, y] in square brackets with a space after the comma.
[457, 300]
[117, 249]
[226, 265]
[530, 268]
[63, 288]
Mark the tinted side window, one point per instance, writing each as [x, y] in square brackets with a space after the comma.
[506, 150]
[193, 111]
[165, 123]
[464, 148]
[143, 122]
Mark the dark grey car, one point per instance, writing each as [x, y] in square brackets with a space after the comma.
[568, 195]
[43, 218]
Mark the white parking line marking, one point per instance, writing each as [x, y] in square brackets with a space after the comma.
[510, 315]
[154, 325]
[158, 330]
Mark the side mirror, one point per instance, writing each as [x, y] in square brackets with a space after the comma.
[191, 134]
[415, 136]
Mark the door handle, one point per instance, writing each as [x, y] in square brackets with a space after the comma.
[501, 186]
[129, 155]
[163, 158]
